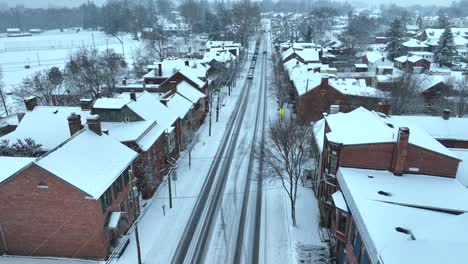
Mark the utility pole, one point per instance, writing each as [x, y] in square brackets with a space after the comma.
[137, 238]
[170, 189]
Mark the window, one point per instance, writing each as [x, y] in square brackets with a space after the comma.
[127, 175]
[130, 199]
[332, 164]
[122, 206]
[118, 187]
[170, 141]
[106, 199]
[364, 256]
[357, 245]
[343, 221]
[127, 119]
[352, 229]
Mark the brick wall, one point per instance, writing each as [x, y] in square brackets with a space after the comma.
[312, 105]
[57, 221]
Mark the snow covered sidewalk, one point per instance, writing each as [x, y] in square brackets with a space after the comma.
[279, 238]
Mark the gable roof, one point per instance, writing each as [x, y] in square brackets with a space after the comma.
[88, 161]
[46, 125]
[189, 92]
[11, 165]
[362, 126]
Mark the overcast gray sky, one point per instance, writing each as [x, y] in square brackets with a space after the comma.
[47, 3]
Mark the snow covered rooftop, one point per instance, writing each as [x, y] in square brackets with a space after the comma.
[126, 131]
[453, 128]
[374, 56]
[414, 43]
[171, 65]
[307, 55]
[304, 80]
[46, 125]
[191, 75]
[419, 204]
[111, 103]
[339, 201]
[221, 56]
[179, 105]
[362, 126]
[354, 87]
[188, 91]
[11, 165]
[412, 59]
[89, 161]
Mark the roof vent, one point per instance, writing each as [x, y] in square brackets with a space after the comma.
[390, 125]
[384, 193]
[370, 176]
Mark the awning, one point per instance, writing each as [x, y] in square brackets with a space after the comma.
[113, 220]
[339, 201]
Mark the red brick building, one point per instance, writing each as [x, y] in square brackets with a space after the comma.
[382, 150]
[147, 126]
[414, 64]
[314, 93]
[74, 201]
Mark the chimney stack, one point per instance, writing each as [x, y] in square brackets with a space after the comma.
[74, 123]
[98, 95]
[401, 151]
[86, 104]
[320, 53]
[384, 107]
[160, 69]
[94, 124]
[446, 114]
[187, 63]
[324, 81]
[124, 81]
[30, 103]
[132, 96]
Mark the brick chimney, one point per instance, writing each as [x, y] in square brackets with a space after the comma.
[74, 123]
[94, 124]
[124, 81]
[384, 107]
[86, 104]
[160, 69]
[132, 96]
[187, 63]
[446, 114]
[401, 151]
[324, 81]
[30, 103]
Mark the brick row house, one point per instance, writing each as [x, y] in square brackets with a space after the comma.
[314, 93]
[146, 125]
[74, 201]
[384, 185]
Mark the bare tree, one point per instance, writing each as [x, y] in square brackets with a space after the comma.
[458, 99]
[405, 95]
[280, 79]
[285, 154]
[91, 71]
[3, 105]
[48, 87]
[21, 148]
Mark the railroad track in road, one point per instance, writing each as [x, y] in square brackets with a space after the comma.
[247, 243]
[191, 247]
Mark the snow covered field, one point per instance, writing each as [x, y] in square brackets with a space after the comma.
[50, 49]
